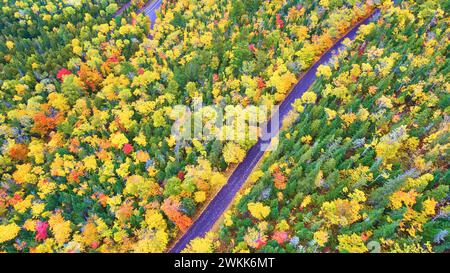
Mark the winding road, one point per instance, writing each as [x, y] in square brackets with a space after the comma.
[224, 197]
[122, 9]
[149, 9]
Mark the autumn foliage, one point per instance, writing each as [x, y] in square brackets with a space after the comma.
[88, 98]
[171, 209]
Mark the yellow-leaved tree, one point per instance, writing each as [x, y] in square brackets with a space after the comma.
[154, 237]
[258, 210]
[233, 153]
[201, 245]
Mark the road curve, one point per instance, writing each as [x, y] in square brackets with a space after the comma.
[149, 10]
[121, 10]
[224, 197]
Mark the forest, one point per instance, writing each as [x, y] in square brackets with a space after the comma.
[88, 162]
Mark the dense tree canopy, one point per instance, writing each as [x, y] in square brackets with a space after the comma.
[88, 162]
[366, 164]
